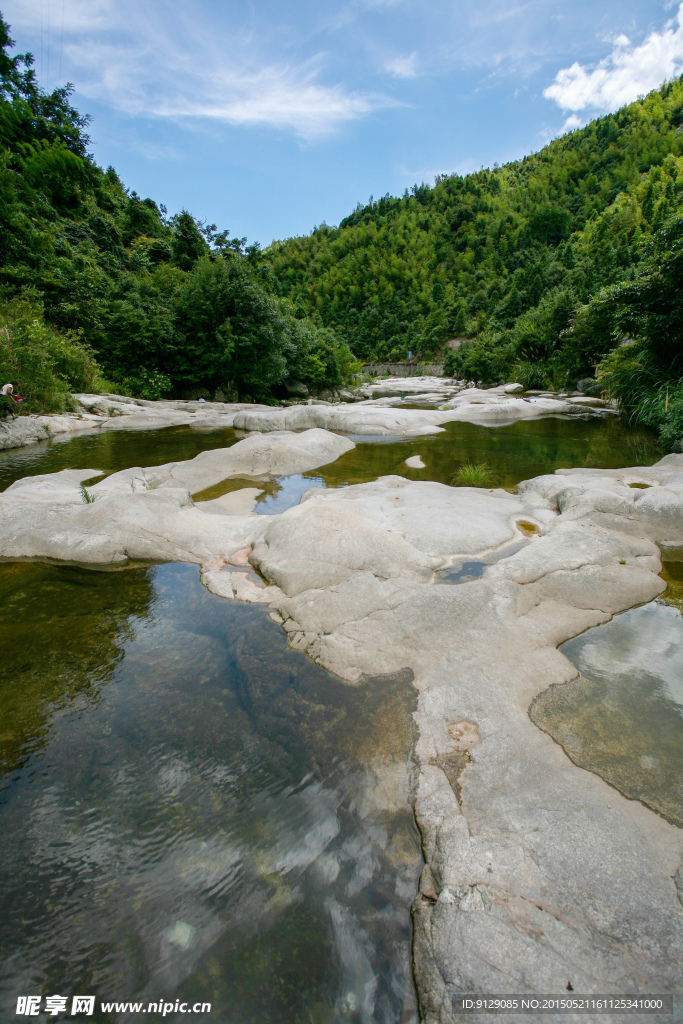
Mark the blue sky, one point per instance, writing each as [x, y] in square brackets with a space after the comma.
[268, 117]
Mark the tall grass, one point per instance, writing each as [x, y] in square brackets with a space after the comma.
[474, 474]
[647, 395]
[532, 376]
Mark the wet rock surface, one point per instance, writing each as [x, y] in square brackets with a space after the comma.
[537, 872]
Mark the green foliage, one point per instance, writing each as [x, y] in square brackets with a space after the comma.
[149, 384]
[532, 376]
[88, 498]
[166, 305]
[508, 257]
[187, 244]
[643, 317]
[486, 360]
[44, 365]
[474, 474]
[648, 395]
[543, 265]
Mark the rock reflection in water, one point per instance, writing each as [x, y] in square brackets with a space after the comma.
[513, 453]
[277, 493]
[193, 811]
[623, 717]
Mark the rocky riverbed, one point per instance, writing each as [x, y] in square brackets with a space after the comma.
[538, 875]
[360, 412]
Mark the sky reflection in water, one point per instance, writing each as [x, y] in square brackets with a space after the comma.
[189, 809]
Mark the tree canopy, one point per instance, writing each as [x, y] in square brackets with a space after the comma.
[163, 304]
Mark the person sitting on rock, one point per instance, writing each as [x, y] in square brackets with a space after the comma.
[9, 402]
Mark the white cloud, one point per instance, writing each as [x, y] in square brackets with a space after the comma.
[277, 96]
[158, 152]
[167, 61]
[625, 74]
[403, 67]
[572, 122]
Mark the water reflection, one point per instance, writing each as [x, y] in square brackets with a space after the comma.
[191, 808]
[623, 717]
[277, 493]
[513, 453]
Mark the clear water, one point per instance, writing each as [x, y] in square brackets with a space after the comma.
[512, 453]
[623, 717]
[472, 569]
[191, 810]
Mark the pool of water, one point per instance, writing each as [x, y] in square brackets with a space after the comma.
[623, 717]
[512, 453]
[192, 811]
[110, 450]
[466, 570]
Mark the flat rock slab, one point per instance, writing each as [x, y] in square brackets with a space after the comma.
[278, 454]
[538, 874]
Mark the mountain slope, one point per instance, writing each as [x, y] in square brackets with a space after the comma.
[473, 254]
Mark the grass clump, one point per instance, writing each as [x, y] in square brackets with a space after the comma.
[474, 474]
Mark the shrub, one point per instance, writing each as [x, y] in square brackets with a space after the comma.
[45, 365]
[533, 376]
[149, 384]
[647, 395]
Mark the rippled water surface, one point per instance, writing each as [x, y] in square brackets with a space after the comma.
[191, 810]
[623, 717]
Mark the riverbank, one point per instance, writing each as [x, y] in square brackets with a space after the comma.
[538, 874]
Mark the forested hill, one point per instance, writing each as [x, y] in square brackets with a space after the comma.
[95, 280]
[471, 255]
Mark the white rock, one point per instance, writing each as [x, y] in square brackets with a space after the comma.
[234, 503]
[275, 455]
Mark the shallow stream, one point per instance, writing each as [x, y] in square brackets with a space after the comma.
[511, 453]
